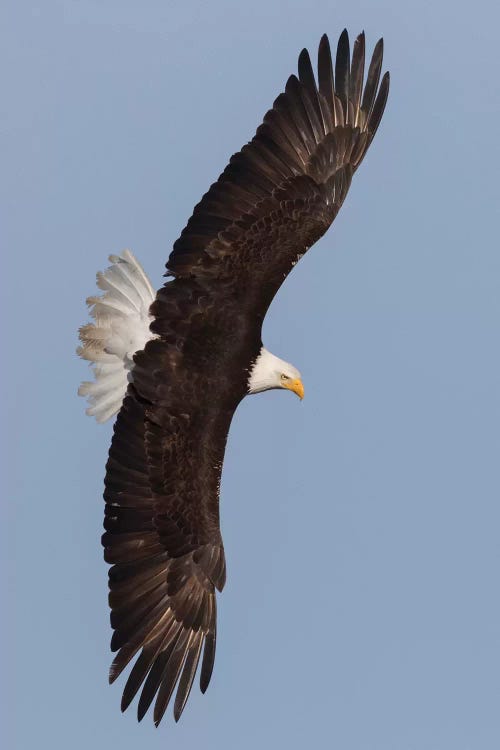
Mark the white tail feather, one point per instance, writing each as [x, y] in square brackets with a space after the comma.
[120, 329]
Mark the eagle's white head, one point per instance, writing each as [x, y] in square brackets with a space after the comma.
[269, 372]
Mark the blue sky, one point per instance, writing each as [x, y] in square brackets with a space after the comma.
[361, 526]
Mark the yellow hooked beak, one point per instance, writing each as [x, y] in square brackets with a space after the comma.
[296, 386]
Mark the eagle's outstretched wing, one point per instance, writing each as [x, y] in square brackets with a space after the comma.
[281, 192]
[163, 540]
[273, 201]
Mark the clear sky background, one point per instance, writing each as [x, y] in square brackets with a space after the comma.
[361, 526]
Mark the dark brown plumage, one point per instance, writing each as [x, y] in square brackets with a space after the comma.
[276, 197]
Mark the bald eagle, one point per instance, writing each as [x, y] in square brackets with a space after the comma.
[174, 365]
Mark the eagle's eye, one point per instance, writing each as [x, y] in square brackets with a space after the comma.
[284, 377]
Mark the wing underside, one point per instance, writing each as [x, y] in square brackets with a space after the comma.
[281, 192]
[163, 578]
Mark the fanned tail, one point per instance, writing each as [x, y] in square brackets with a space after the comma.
[120, 329]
